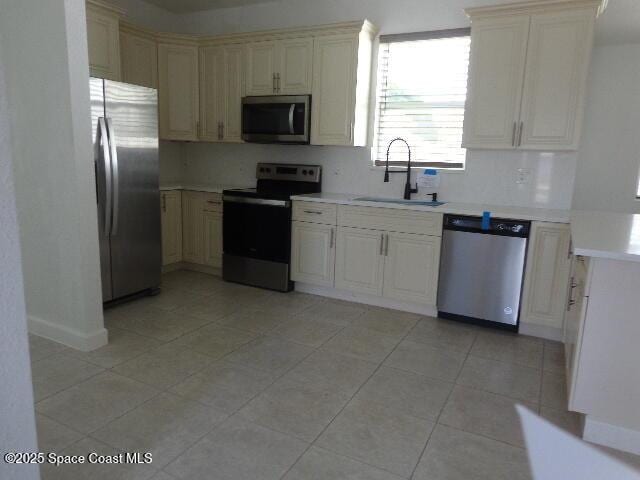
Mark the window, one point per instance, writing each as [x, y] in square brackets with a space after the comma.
[422, 88]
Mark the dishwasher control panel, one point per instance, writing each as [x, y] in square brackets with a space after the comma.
[497, 226]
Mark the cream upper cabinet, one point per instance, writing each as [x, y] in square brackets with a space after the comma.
[212, 239]
[221, 90]
[359, 260]
[261, 68]
[527, 74]
[192, 227]
[139, 56]
[280, 67]
[411, 267]
[295, 66]
[178, 89]
[103, 37]
[341, 88]
[313, 253]
[546, 276]
[496, 68]
[555, 82]
[171, 221]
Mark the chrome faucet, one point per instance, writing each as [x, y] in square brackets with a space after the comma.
[407, 186]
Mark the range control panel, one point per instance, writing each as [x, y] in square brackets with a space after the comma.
[288, 172]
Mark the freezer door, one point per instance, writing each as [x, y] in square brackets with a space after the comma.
[103, 184]
[132, 119]
[481, 276]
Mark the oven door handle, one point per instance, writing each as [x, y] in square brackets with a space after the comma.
[257, 201]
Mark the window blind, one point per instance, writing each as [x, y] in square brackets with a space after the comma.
[422, 88]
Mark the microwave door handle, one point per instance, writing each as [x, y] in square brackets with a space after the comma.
[291, 111]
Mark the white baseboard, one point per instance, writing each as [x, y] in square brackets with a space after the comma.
[411, 307]
[542, 331]
[67, 336]
[613, 436]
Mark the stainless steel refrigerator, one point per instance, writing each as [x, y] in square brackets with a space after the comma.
[124, 121]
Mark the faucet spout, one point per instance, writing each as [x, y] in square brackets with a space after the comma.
[407, 186]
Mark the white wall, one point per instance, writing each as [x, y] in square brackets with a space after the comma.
[48, 95]
[609, 157]
[17, 421]
[490, 177]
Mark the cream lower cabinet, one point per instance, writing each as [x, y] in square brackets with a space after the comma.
[212, 239]
[546, 275]
[411, 267]
[313, 253]
[375, 251]
[192, 227]
[359, 260]
[171, 221]
[202, 228]
[103, 39]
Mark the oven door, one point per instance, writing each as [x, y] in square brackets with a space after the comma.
[281, 119]
[257, 228]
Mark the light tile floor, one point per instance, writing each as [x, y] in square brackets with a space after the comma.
[222, 381]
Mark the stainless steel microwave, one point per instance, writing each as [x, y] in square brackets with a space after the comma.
[276, 119]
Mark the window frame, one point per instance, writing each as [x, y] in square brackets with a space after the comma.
[411, 37]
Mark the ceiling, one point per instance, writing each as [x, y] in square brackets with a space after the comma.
[620, 23]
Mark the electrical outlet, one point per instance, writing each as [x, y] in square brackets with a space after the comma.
[523, 176]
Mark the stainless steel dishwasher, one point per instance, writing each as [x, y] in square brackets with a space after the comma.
[481, 270]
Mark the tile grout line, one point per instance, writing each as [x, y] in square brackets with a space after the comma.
[313, 443]
[444, 405]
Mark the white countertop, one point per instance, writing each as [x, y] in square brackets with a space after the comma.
[615, 236]
[518, 213]
[199, 188]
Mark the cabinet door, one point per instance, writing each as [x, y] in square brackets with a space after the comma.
[496, 69]
[295, 66]
[411, 267]
[335, 60]
[212, 93]
[578, 303]
[103, 37]
[178, 91]
[313, 253]
[261, 68]
[234, 91]
[192, 224]
[171, 217]
[546, 275]
[359, 260]
[212, 239]
[139, 57]
[555, 79]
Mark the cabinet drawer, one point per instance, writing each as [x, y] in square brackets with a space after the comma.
[315, 212]
[390, 220]
[212, 202]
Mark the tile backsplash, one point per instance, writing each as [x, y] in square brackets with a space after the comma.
[490, 176]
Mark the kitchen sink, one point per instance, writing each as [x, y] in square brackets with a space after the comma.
[426, 203]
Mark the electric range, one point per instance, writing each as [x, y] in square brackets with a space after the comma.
[257, 225]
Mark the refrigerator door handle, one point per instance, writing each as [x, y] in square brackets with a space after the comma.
[116, 178]
[103, 142]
